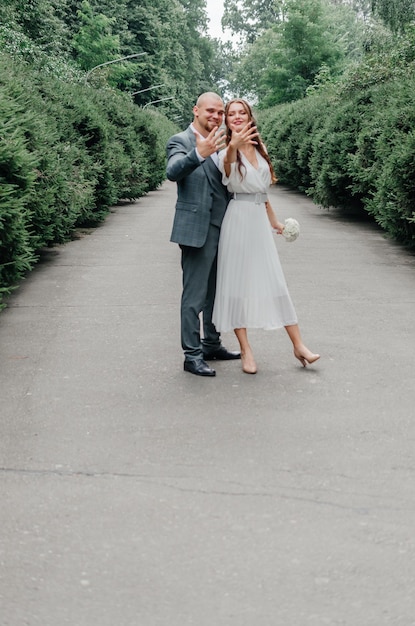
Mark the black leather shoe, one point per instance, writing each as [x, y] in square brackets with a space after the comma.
[221, 354]
[198, 367]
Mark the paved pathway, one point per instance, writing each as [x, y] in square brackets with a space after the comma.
[134, 494]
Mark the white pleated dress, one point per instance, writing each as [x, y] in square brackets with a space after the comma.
[251, 290]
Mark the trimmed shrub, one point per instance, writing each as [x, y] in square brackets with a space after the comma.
[387, 152]
[68, 152]
[333, 146]
[289, 131]
[17, 178]
[352, 147]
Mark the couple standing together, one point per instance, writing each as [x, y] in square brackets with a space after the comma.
[223, 220]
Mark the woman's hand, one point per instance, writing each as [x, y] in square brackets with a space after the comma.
[246, 136]
[275, 223]
[277, 226]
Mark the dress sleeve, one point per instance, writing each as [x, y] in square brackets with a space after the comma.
[233, 176]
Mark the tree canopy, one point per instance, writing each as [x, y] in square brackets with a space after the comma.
[397, 14]
[281, 56]
[281, 48]
[177, 59]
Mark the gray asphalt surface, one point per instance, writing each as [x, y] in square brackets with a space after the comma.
[135, 494]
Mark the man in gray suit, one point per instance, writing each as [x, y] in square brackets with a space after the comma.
[201, 204]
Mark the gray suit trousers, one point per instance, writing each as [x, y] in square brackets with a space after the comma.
[199, 286]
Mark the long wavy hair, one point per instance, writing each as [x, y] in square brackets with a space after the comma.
[260, 146]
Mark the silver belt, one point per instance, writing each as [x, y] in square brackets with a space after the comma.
[257, 198]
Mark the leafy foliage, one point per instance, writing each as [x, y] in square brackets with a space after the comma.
[397, 14]
[284, 60]
[17, 178]
[71, 144]
[94, 43]
[251, 18]
[351, 144]
[40, 20]
[67, 153]
[179, 58]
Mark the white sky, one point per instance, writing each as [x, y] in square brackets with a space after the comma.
[215, 11]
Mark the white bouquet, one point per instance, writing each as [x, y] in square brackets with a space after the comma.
[291, 229]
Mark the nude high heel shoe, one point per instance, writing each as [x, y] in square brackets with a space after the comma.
[305, 356]
[248, 364]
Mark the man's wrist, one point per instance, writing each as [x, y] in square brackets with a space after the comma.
[199, 156]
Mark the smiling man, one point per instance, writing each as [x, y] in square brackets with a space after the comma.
[201, 204]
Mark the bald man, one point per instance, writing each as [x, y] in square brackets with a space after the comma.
[202, 200]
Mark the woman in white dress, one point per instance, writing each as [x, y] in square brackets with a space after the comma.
[251, 290]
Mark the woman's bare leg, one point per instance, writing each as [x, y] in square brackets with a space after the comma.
[247, 357]
[301, 352]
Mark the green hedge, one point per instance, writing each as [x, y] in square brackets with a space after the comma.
[67, 154]
[352, 146]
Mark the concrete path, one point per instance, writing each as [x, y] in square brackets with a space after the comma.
[134, 494]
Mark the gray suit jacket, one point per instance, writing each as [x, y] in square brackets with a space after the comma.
[199, 185]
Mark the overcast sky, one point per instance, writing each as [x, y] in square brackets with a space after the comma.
[215, 10]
